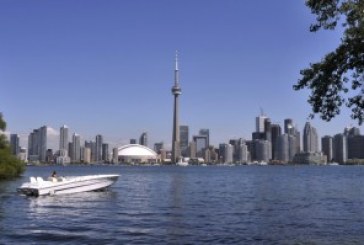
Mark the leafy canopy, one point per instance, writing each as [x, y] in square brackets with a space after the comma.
[10, 166]
[342, 70]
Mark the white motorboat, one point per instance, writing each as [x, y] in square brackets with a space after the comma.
[66, 185]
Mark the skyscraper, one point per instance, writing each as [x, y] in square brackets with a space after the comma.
[176, 91]
[260, 122]
[184, 138]
[63, 141]
[105, 152]
[276, 131]
[76, 148]
[326, 146]
[201, 145]
[37, 144]
[205, 132]
[340, 150]
[143, 140]
[310, 139]
[14, 144]
[99, 142]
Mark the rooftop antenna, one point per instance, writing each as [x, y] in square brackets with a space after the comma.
[261, 111]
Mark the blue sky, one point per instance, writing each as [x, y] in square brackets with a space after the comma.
[106, 67]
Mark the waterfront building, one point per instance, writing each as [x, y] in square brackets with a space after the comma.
[23, 154]
[135, 154]
[262, 148]
[355, 146]
[291, 129]
[64, 156]
[143, 140]
[286, 148]
[176, 91]
[105, 152]
[201, 145]
[236, 143]
[326, 147]
[228, 153]
[37, 144]
[86, 155]
[49, 156]
[76, 148]
[316, 158]
[276, 131]
[184, 139]
[339, 145]
[211, 155]
[14, 144]
[221, 153]
[351, 131]
[259, 123]
[251, 149]
[43, 140]
[205, 132]
[243, 153]
[158, 147]
[92, 145]
[192, 150]
[133, 141]
[99, 142]
[115, 155]
[63, 140]
[310, 138]
[288, 126]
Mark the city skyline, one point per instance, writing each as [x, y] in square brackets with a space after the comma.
[111, 74]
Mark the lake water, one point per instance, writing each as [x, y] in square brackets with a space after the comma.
[192, 205]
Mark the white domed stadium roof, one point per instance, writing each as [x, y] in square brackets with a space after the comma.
[136, 150]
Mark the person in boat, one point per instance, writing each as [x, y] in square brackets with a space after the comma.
[53, 177]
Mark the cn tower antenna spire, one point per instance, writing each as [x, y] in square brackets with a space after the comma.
[176, 59]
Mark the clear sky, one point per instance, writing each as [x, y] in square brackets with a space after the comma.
[106, 67]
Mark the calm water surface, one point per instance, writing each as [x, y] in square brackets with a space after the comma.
[193, 205]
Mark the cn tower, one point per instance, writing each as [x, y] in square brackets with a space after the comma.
[176, 91]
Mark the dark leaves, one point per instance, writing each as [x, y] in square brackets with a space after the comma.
[327, 79]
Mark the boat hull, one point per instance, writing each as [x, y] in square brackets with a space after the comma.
[68, 185]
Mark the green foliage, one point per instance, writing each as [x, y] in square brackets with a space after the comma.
[342, 70]
[10, 166]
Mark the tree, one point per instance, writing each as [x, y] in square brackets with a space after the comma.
[10, 166]
[338, 79]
